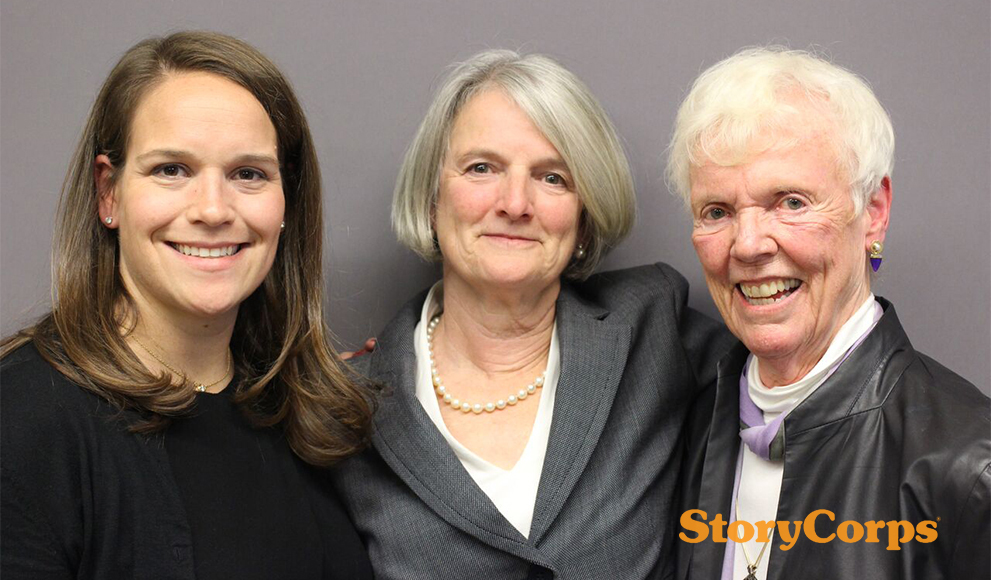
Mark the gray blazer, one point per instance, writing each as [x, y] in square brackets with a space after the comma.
[633, 357]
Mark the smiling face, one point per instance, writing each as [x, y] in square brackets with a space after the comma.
[506, 214]
[198, 202]
[784, 254]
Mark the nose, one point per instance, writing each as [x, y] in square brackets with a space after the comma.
[753, 240]
[516, 197]
[211, 200]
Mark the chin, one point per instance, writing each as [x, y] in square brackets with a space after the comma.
[508, 275]
[767, 343]
[212, 306]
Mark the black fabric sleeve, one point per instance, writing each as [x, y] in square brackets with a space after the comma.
[27, 545]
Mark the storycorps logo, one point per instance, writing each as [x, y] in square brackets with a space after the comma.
[896, 532]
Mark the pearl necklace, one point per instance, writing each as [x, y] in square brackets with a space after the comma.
[465, 406]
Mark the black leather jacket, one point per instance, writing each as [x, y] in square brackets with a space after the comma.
[891, 435]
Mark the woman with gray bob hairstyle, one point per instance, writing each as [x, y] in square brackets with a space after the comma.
[563, 109]
[535, 408]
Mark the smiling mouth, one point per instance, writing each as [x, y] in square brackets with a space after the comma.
[769, 292]
[200, 252]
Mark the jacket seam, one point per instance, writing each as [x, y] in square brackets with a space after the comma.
[959, 515]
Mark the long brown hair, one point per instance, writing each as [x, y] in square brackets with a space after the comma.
[290, 374]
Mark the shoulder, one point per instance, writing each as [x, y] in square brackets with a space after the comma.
[652, 279]
[653, 286]
[33, 390]
[43, 415]
[950, 400]
[957, 391]
[950, 419]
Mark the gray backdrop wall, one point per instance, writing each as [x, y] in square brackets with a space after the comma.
[365, 71]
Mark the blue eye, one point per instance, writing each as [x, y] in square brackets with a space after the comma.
[554, 179]
[479, 168]
[716, 213]
[793, 203]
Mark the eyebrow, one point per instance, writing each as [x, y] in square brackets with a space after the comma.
[180, 154]
[555, 163]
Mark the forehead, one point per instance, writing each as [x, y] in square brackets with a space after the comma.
[492, 119]
[201, 109]
[803, 157]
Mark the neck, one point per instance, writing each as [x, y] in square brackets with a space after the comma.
[500, 332]
[787, 369]
[195, 346]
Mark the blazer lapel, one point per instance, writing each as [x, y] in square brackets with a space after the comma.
[593, 357]
[416, 451]
[719, 467]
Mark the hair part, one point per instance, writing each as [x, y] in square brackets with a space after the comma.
[289, 373]
[738, 107]
[567, 114]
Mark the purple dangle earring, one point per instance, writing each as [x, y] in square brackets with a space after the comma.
[876, 248]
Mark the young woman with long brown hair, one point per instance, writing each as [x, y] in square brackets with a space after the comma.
[168, 417]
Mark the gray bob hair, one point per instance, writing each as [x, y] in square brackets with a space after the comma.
[738, 100]
[564, 110]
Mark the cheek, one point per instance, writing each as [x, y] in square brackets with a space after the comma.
[265, 216]
[141, 218]
[561, 215]
[460, 206]
[815, 247]
[713, 253]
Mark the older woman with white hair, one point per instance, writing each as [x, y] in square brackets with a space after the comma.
[533, 430]
[875, 453]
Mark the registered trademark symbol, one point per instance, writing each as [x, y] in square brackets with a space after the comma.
[937, 519]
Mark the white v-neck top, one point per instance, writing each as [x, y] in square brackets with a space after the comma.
[513, 491]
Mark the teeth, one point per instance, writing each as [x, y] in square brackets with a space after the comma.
[761, 294]
[207, 252]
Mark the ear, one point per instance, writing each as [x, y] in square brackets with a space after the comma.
[879, 210]
[103, 171]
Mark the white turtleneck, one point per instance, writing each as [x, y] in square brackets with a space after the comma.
[760, 479]
[513, 491]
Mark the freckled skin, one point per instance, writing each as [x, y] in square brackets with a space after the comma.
[201, 166]
[785, 213]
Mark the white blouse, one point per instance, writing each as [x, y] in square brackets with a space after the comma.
[513, 491]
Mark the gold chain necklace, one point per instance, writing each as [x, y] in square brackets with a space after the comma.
[200, 387]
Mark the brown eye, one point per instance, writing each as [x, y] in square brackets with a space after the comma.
[171, 170]
[249, 174]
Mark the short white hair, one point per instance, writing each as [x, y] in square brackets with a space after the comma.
[567, 114]
[739, 100]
